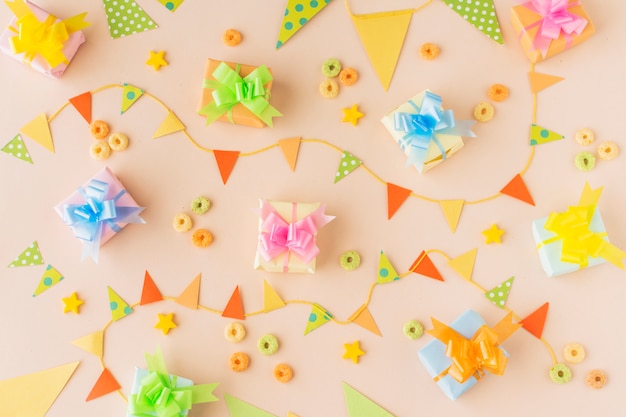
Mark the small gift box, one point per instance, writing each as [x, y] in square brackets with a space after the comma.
[427, 134]
[41, 40]
[548, 27]
[287, 236]
[575, 239]
[237, 93]
[464, 352]
[98, 210]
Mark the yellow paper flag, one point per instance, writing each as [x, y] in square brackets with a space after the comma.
[129, 96]
[452, 211]
[39, 130]
[170, 124]
[92, 343]
[271, 300]
[297, 14]
[464, 264]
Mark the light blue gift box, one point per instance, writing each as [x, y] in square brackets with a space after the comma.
[140, 374]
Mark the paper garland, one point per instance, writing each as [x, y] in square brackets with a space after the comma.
[297, 14]
[50, 278]
[17, 148]
[28, 257]
[480, 14]
[125, 17]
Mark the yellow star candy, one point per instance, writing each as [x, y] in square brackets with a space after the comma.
[166, 323]
[351, 115]
[493, 234]
[353, 351]
[157, 60]
[72, 303]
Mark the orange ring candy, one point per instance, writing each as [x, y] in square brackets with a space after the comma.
[202, 238]
[239, 361]
[429, 51]
[283, 372]
[348, 76]
[99, 129]
[232, 37]
[498, 92]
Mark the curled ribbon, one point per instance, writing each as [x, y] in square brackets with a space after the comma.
[230, 89]
[422, 127]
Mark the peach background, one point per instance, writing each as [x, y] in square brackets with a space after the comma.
[165, 174]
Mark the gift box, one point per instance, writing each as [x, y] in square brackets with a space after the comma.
[98, 210]
[548, 27]
[426, 132]
[238, 94]
[287, 236]
[41, 40]
[463, 353]
[575, 239]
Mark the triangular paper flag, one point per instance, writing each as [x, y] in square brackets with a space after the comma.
[499, 294]
[535, 321]
[360, 406]
[119, 308]
[92, 343]
[271, 300]
[540, 135]
[170, 124]
[118, 27]
[347, 164]
[424, 265]
[39, 131]
[49, 278]
[225, 162]
[82, 103]
[32, 395]
[452, 212]
[290, 148]
[396, 196]
[239, 408]
[481, 14]
[190, 295]
[29, 256]
[150, 293]
[17, 148]
[105, 384]
[297, 14]
[171, 5]
[382, 35]
[539, 81]
[290, 414]
[129, 96]
[516, 188]
[386, 271]
[234, 307]
[464, 264]
[317, 318]
[365, 319]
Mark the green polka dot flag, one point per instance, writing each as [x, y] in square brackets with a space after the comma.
[540, 135]
[386, 272]
[318, 317]
[347, 164]
[129, 96]
[119, 308]
[29, 256]
[297, 14]
[479, 13]
[49, 278]
[171, 5]
[125, 18]
[500, 293]
[17, 148]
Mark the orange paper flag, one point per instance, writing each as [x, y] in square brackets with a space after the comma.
[424, 265]
[539, 81]
[190, 296]
[290, 148]
[534, 322]
[150, 292]
[452, 212]
[39, 130]
[396, 196]
[516, 188]
[234, 308]
[225, 162]
[82, 103]
[365, 319]
[105, 384]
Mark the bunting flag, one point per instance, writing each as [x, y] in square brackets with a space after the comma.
[386, 271]
[33, 394]
[499, 294]
[464, 264]
[105, 384]
[271, 299]
[297, 14]
[396, 196]
[121, 27]
[50, 278]
[452, 212]
[171, 5]
[190, 295]
[234, 307]
[363, 317]
[347, 164]
[149, 293]
[17, 148]
[82, 104]
[290, 148]
[360, 406]
[39, 131]
[480, 14]
[225, 162]
[119, 307]
[92, 343]
[516, 188]
[171, 124]
[290, 414]
[129, 96]
[317, 318]
[29, 256]
[535, 321]
[539, 81]
[382, 35]
[540, 135]
[424, 265]
[239, 408]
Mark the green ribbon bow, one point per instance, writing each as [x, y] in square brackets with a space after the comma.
[230, 89]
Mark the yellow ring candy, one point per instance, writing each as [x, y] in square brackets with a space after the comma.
[182, 222]
[283, 373]
[99, 129]
[329, 88]
[596, 378]
[100, 150]
[584, 136]
[235, 332]
[429, 51]
[560, 373]
[118, 142]
[483, 112]
[498, 92]
[268, 344]
[574, 353]
[202, 238]
[608, 150]
[239, 361]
